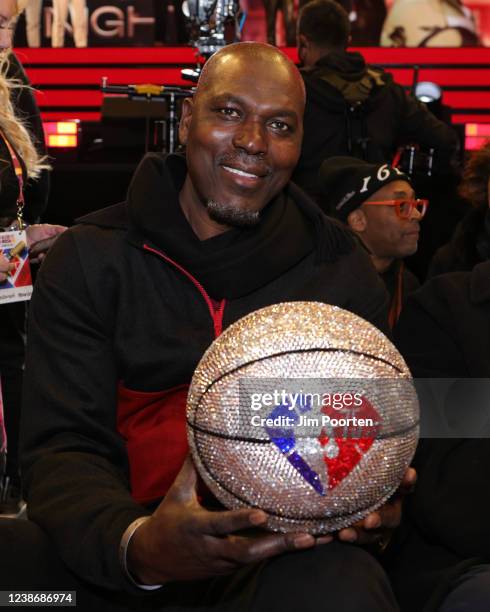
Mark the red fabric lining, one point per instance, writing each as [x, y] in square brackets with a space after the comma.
[153, 423]
[154, 427]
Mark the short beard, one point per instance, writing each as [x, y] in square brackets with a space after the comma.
[227, 214]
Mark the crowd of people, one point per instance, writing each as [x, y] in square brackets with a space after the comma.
[127, 301]
[401, 23]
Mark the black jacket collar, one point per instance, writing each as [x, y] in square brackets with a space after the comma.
[238, 261]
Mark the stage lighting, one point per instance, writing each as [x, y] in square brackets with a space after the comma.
[428, 92]
[62, 134]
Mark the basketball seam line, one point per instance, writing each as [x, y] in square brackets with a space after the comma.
[308, 350]
[240, 367]
[217, 434]
[280, 354]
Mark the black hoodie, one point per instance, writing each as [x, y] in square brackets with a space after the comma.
[118, 324]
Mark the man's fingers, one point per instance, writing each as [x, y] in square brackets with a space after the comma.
[349, 534]
[5, 265]
[359, 535]
[271, 545]
[386, 517]
[325, 539]
[183, 488]
[5, 270]
[409, 481]
[374, 520]
[41, 246]
[391, 514]
[229, 521]
[374, 525]
[55, 230]
[243, 550]
[41, 231]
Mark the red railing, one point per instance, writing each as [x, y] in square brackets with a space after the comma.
[68, 80]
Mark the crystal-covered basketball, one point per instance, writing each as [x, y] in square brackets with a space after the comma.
[306, 411]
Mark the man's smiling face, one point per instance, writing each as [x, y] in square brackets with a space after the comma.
[243, 133]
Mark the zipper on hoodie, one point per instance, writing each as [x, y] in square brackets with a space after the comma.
[216, 313]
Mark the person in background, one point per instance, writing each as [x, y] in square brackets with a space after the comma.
[470, 244]
[441, 557]
[366, 18]
[272, 8]
[429, 23]
[33, 12]
[79, 19]
[21, 135]
[353, 108]
[378, 204]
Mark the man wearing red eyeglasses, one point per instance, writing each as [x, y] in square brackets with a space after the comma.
[378, 203]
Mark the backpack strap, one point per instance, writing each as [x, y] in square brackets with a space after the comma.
[354, 92]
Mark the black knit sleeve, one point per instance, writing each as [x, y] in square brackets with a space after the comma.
[75, 465]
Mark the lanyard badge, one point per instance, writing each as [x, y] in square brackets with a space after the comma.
[18, 285]
[19, 173]
[13, 246]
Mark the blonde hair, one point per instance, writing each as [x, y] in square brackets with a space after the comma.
[11, 124]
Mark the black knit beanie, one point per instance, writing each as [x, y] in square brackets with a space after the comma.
[347, 182]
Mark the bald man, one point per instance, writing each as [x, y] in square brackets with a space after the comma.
[125, 306]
